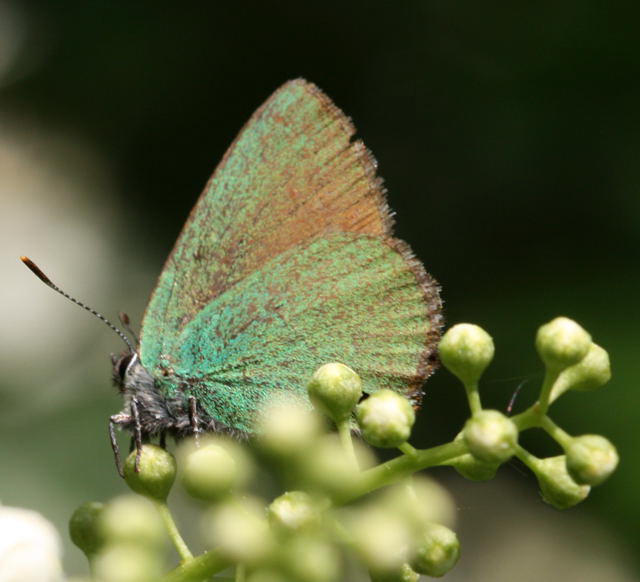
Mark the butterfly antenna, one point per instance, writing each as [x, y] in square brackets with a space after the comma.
[38, 273]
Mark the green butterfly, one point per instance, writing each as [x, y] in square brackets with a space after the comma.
[286, 262]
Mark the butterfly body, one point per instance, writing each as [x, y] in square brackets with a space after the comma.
[286, 262]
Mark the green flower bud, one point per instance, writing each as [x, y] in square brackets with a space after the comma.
[334, 390]
[240, 530]
[562, 343]
[437, 551]
[404, 574]
[385, 418]
[212, 470]
[84, 529]
[473, 469]
[381, 537]
[593, 371]
[293, 512]
[127, 563]
[466, 350]
[490, 436]
[157, 472]
[287, 430]
[556, 485]
[309, 559]
[328, 469]
[268, 575]
[419, 501]
[591, 459]
[132, 520]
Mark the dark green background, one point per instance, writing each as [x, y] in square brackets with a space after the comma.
[508, 135]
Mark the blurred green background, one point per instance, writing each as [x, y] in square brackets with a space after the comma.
[508, 135]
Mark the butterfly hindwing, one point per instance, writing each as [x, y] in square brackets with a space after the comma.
[345, 297]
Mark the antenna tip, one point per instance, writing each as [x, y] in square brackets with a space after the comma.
[36, 270]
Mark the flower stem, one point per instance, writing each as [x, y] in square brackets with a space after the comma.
[408, 449]
[550, 377]
[473, 397]
[527, 458]
[562, 437]
[344, 431]
[170, 525]
[200, 568]
[402, 466]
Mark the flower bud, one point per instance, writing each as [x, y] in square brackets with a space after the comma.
[268, 575]
[157, 472]
[591, 459]
[403, 574]
[473, 469]
[562, 343]
[490, 436]
[334, 390]
[132, 520]
[593, 371]
[309, 559]
[328, 469]
[239, 529]
[293, 512]
[556, 485]
[212, 470]
[385, 418]
[466, 350]
[84, 528]
[127, 563]
[287, 430]
[437, 551]
[381, 538]
[419, 501]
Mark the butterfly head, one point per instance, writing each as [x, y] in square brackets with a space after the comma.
[121, 364]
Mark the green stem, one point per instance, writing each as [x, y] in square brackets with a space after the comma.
[473, 397]
[530, 418]
[407, 449]
[400, 467]
[198, 569]
[550, 377]
[170, 525]
[562, 437]
[527, 458]
[344, 430]
[240, 573]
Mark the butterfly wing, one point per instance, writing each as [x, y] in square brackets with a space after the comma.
[345, 297]
[294, 174]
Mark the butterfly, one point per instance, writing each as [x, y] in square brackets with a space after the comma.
[286, 262]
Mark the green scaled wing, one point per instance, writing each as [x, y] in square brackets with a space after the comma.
[285, 263]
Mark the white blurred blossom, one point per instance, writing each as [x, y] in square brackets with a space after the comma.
[29, 547]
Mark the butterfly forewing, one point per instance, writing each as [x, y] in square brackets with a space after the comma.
[260, 287]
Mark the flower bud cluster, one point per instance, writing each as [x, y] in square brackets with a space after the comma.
[573, 362]
[303, 532]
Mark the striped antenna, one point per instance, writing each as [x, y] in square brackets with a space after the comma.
[38, 273]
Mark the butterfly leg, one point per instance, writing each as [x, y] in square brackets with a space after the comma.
[137, 433]
[193, 419]
[113, 421]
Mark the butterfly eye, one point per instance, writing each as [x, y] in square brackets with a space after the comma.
[121, 368]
